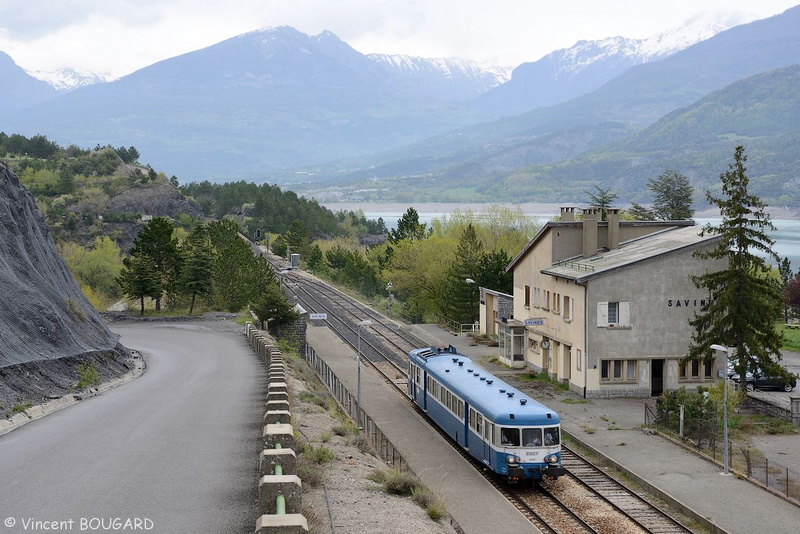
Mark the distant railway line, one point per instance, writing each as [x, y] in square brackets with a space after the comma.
[587, 500]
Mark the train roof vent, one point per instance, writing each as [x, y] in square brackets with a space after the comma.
[502, 391]
[426, 353]
[511, 416]
[483, 378]
[460, 364]
[549, 416]
[476, 374]
[455, 360]
[469, 370]
[523, 401]
[489, 381]
[510, 394]
[447, 370]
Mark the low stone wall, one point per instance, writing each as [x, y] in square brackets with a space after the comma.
[280, 491]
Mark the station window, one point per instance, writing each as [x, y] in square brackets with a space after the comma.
[697, 370]
[527, 296]
[613, 314]
[567, 308]
[618, 370]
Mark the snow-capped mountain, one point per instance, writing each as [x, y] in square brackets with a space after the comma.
[570, 72]
[68, 79]
[467, 77]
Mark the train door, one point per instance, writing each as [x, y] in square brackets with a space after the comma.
[488, 439]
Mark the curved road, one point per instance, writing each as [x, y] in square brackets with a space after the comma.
[176, 449]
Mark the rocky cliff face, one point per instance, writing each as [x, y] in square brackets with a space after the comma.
[43, 313]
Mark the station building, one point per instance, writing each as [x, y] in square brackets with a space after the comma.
[604, 306]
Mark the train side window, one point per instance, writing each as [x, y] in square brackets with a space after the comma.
[532, 437]
[551, 436]
[479, 424]
[488, 432]
[509, 437]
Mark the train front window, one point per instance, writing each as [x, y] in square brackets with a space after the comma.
[531, 437]
[551, 436]
[509, 437]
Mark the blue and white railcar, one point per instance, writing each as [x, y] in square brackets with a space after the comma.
[512, 434]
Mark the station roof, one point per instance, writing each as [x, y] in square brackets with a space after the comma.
[653, 245]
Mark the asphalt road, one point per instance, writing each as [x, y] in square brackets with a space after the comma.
[176, 449]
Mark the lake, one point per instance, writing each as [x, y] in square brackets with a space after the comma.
[787, 235]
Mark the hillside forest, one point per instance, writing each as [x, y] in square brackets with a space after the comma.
[193, 259]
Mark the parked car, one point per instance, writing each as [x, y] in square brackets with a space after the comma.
[758, 381]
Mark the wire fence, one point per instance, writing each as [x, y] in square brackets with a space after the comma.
[376, 438]
[704, 435]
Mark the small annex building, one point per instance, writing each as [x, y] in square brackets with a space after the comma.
[604, 306]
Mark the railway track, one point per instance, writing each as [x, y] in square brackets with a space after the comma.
[602, 505]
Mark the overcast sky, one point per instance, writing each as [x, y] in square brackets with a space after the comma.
[121, 36]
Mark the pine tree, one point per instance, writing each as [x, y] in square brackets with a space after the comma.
[745, 302]
[461, 298]
[602, 198]
[140, 278]
[408, 227]
[156, 240]
[672, 196]
[198, 257]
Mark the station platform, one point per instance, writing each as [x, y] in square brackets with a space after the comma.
[472, 502]
[613, 428]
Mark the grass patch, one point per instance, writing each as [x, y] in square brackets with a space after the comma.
[21, 406]
[759, 425]
[88, 375]
[791, 338]
[309, 472]
[345, 429]
[404, 483]
[361, 442]
[576, 401]
[319, 455]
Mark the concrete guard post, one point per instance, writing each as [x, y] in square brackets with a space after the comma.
[278, 434]
[271, 486]
[277, 416]
[282, 524]
[279, 495]
[285, 458]
[277, 396]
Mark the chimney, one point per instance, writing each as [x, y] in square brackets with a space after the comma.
[590, 218]
[567, 214]
[613, 228]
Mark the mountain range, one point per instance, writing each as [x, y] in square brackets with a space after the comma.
[279, 105]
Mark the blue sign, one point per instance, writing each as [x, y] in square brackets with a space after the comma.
[534, 322]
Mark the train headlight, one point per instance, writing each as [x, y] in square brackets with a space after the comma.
[511, 459]
[551, 459]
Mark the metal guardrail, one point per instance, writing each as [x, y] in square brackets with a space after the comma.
[454, 327]
[744, 460]
[578, 266]
[376, 438]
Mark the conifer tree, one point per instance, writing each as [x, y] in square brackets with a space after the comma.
[140, 278]
[672, 196]
[745, 303]
[461, 298]
[156, 240]
[198, 257]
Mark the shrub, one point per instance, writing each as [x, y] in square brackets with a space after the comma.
[400, 482]
[87, 375]
[319, 455]
[309, 472]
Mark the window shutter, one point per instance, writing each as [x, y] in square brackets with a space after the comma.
[602, 314]
[625, 313]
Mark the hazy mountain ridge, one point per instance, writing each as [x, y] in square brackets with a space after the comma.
[762, 112]
[571, 72]
[633, 100]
